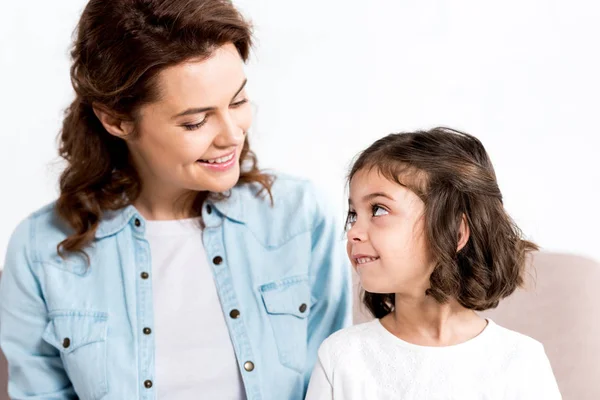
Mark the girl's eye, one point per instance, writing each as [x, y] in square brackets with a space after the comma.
[350, 219]
[378, 211]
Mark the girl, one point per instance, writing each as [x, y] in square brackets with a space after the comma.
[170, 266]
[432, 244]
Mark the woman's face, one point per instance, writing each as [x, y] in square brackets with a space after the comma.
[191, 138]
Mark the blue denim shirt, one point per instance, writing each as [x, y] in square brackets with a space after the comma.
[69, 330]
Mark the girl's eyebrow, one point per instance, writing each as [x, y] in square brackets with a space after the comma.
[372, 196]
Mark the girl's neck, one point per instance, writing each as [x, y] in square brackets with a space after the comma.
[424, 321]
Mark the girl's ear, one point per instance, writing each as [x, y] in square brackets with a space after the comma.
[463, 233]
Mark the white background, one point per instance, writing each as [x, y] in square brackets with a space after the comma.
[328, 77]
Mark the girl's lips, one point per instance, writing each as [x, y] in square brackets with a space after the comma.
[362, 259]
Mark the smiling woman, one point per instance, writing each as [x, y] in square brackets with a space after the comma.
[170, 266]
[191, 138]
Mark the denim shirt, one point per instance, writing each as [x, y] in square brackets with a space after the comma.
[72, 331]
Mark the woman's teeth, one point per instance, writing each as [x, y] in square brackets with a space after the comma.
[219, 160]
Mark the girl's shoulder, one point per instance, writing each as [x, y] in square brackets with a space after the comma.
[515, 344]
[353, 339]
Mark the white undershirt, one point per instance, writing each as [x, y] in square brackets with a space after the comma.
[194, 356]
[367, 362]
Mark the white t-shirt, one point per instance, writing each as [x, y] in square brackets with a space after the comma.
[366, 361]
[194, 356]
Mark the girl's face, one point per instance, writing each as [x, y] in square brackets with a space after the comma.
[386, 240]
[191, 138]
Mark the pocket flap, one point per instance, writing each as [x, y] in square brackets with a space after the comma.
[287, 296]
[69, 330]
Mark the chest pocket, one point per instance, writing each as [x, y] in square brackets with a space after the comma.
[287, 303]
[80, 336]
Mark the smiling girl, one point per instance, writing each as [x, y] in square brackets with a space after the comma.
[432, 244]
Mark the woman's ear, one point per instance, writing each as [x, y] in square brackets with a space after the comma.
[113, 124]
[463, 233]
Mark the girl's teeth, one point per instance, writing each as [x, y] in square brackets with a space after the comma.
[365, 260]
[220, 160]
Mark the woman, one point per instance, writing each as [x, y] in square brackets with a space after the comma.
[170, 266]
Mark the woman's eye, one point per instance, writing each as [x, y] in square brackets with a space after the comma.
[193, 127]
[239, 103]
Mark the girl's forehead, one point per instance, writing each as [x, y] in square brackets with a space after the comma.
[367, 185]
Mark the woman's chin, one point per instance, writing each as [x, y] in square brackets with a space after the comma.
[218, 183]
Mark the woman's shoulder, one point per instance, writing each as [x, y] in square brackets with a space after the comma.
[287, 191]
[40, 233]
[42, 221]
[37, 235]
[297, 206]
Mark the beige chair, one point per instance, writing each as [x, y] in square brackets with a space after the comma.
[560, 308]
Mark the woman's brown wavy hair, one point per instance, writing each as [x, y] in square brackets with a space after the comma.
[453, 175]
[119, 49]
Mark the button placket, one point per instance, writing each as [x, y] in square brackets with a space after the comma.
[215, 249]
[144, 301]
[138, 224]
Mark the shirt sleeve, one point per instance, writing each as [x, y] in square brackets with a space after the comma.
[537, 378]
[35, 367]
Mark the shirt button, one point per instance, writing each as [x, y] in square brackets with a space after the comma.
[234, 314]
[208, 209]
[66, 343]
[218, 260]
[148, 384]
[137, 222]
[144, 275]
[302, 308]
[249, 366]
[147, 331]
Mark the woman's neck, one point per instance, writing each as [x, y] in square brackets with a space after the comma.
[166, 205]
[424, 321]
